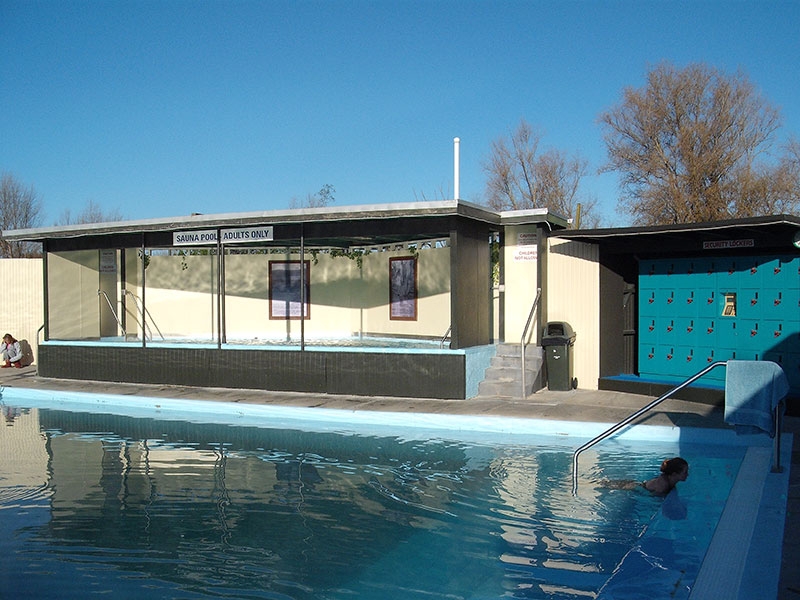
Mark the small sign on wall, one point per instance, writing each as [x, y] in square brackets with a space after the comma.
[108, 261]
[527, 246]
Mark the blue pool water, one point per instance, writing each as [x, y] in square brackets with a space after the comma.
[152, 507]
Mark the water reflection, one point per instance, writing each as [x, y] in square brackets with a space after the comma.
[165, 509]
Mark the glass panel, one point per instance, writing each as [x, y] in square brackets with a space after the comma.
[180, 294]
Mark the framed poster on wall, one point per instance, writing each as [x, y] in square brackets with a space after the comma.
[285, 289]
[403, 289]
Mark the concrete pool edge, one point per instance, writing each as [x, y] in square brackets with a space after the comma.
[329, 419]
[743, 558]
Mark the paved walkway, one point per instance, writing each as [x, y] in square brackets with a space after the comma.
[576, 405]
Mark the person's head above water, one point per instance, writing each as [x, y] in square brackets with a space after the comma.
[675, 466]
[673, 470]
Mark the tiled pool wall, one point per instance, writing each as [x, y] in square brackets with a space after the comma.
[398, 372]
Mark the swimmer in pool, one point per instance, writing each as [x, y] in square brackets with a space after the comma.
[673, 470]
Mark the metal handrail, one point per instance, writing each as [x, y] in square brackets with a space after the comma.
[38, 343]
[113, 312]
[145, 314]
[630, 418]
[444, 337]
[525, 335]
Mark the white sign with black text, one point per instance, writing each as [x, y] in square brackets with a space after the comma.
[206, 237]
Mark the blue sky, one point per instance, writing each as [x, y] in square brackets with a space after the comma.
[158, 109]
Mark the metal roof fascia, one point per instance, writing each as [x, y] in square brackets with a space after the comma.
[304, 215]
[682, 227]
[532, 216]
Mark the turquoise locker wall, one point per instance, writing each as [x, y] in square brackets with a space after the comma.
[684, 324]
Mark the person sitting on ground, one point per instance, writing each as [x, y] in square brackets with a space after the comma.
[12, 353]
[673, 470]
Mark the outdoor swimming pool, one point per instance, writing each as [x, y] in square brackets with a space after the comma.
[149, 499]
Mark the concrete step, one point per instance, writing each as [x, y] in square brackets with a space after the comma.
[503, 378]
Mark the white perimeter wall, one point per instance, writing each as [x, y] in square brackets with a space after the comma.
[521, 264]
[573, 295]
[21, 311]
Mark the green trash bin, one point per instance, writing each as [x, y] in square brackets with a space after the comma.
[558, 341]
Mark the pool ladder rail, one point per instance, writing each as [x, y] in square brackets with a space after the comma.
[145, 326]
[776, 467]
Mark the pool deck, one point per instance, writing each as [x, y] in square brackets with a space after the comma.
[576, 405]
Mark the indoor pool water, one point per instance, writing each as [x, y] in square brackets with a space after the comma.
[332, 343]
[103, 505]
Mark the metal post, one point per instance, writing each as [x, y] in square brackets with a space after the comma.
[302, 288]
[776, 465]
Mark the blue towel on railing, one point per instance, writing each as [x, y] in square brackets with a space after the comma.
[753, 389]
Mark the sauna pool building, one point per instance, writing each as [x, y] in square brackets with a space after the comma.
[412, 299]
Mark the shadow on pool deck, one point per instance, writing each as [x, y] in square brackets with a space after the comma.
[577, 405]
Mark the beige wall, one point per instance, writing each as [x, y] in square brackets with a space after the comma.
[521, 261]
[433, 305]
[22, 312]
[573, 295]
[181, 296]
[73, 301]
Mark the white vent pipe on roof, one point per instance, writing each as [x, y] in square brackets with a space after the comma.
[456, 190]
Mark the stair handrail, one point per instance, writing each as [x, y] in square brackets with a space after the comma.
[444, 337]
[145, 314]
[632, 417]
[113, 312]
[525, 335]
[38, 343]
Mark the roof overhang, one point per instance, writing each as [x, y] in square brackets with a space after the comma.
[774, 231]
[344, 226]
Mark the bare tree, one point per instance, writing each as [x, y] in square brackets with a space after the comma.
[519, 177]
[324, 197]
[790, 163]
[91, 213]
[20, 208]
[686, 145]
